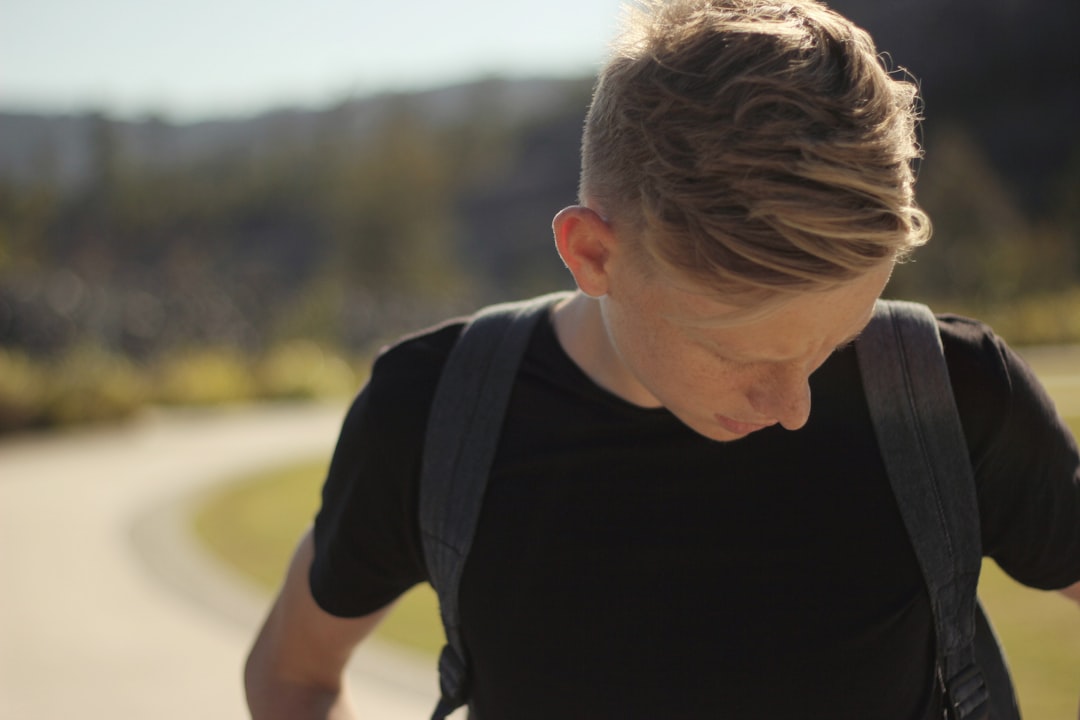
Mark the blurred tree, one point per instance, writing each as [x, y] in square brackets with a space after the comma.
[986, 249]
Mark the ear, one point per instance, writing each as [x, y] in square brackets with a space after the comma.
[585, 242]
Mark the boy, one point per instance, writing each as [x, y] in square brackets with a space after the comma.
[669, 530]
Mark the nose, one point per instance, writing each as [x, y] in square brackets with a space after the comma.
[783, 395]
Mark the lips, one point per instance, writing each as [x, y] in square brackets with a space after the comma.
[740, 428]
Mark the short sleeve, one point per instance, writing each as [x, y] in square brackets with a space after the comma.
[367, 539]
[1027, 467]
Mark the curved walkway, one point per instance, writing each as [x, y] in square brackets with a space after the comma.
[108, 609]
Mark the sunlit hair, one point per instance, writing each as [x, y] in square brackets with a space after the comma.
[756, 146]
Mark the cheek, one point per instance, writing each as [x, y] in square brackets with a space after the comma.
[675, 368]
[715, 384]
[698, 378]
[639, 343]
[660, 362]
[655, 361]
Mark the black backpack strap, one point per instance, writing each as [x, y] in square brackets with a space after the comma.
[925, 453]
[462, 436]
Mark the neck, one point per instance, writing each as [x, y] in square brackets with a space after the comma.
[580, 330]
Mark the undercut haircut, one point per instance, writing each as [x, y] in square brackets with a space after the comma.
[758, 147]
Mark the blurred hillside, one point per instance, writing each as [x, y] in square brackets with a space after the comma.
[350, 224]
[344, 224]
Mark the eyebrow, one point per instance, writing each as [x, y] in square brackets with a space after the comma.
[842, 345]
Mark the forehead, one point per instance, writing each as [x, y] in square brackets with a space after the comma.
[786, 327]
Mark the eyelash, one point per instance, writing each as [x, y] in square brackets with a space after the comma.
[750, 363]
[732, 361]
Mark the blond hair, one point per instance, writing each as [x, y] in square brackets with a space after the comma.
[758, 146]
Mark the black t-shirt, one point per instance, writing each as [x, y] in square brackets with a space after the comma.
[626, 567]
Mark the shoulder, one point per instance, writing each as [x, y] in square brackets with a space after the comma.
[988, 376]
[971, 344]
[407, 370]
[390, 413]
[419, 352]
[982, 369]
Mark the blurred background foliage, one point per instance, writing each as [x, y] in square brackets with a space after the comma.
[143, 261]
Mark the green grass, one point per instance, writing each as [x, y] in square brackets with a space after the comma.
[1040, 632]
[255, 522]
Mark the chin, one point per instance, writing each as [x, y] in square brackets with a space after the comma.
[724, 436]
[715, 431]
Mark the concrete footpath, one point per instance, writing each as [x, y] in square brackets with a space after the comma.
[108, 607]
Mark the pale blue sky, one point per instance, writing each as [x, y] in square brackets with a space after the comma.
[205, 58]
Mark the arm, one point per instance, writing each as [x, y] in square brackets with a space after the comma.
[295, 669]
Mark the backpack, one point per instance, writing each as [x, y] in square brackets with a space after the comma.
[915, 421]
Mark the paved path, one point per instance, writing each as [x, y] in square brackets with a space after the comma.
[109, 610]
